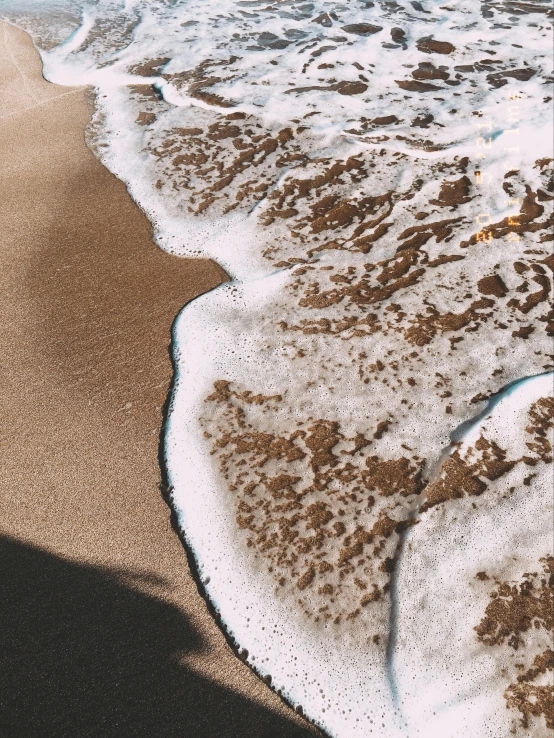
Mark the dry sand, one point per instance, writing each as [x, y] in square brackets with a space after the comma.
[102, 629]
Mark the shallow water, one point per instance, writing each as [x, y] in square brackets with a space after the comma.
[376, 177]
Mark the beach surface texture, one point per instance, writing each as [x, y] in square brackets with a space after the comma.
[358, 444]
[103, 632]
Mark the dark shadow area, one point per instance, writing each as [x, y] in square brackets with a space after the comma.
[85, 653]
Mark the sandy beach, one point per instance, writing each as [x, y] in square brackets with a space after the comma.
[103, 630]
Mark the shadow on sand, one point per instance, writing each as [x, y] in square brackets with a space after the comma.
[84, 652]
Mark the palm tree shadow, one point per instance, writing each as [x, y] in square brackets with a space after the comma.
[85, 652]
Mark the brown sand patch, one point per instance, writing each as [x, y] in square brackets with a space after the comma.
[323, 517]
[431, 46]
[514, 611]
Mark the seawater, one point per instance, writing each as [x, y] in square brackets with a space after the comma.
[376, 178]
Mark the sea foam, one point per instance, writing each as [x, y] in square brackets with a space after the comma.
[375, 177]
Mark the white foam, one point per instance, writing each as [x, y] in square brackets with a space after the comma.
[337, 677]
[328, 675]
[116, 36]
[448, 683]
[348, 684]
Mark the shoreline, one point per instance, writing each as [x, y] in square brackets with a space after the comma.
[322, 476]
[89, 302]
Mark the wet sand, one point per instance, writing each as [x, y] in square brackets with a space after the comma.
[102, 629]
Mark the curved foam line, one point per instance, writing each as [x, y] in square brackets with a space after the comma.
[79, 35]
[462, 432]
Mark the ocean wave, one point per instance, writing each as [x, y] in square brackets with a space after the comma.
[376, 178]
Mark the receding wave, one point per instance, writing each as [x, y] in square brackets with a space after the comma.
[377, 179]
